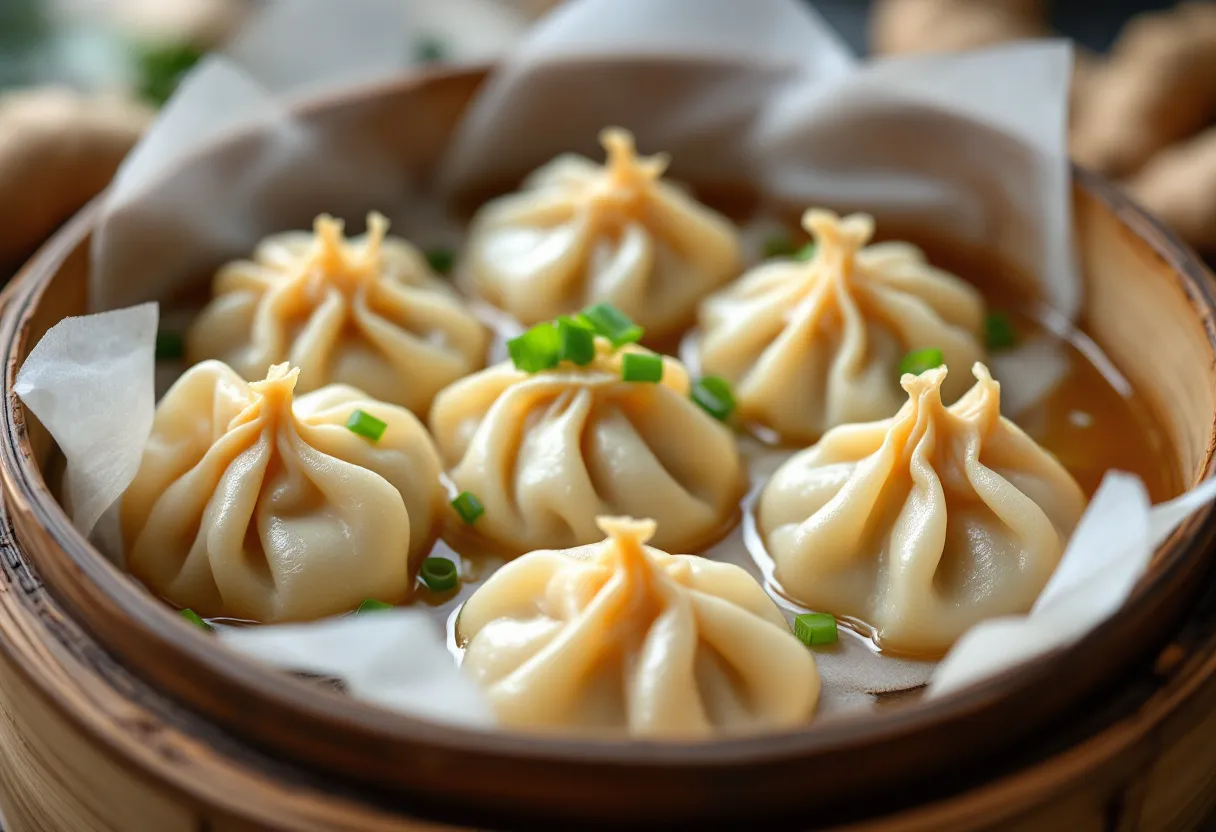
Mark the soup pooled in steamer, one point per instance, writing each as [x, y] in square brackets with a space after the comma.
[251, 503]
[366, 312]
[809, 344]
[620, 638]
[923, 524]
[579, 233]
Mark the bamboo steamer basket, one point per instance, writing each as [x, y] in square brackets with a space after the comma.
[118, 715]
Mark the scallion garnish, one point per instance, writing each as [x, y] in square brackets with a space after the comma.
[372, 605]
[806, 252]
[439, 574]
[999, 332]
[468, 507]
[169, 344]
[612, 323]
[366, 425]
[815, 628]
[195, 619]
[441, 260]
[918, 361]
[641, 366]
[714, 396]
[537, 349]
[429, 49]
[778, 245]
[576, 342]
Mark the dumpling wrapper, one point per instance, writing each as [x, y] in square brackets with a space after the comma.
[924, 524]
[578, 233]
[367, 312]
[811, 345]
[547, 453]
[250, 505]
[620, 638]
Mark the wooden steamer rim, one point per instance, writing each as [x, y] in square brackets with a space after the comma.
[822, 767]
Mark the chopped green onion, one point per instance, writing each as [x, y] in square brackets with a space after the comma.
[714, 396]
[778, 245]
[806, 252]
[575, 342]
[999, 332]
[441, 260]
[641, 366]
[537, 349]
[372, 605]
[429, 49]
[468, 507]
[917, 361]
[195, 619]
[815, 628]
[366, 425]
[169, 344]
[439, 574]
[612, 323]
[161, 69]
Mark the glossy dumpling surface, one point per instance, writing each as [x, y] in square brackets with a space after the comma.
[923, 524]
[547, 453]
[621, 638]
[812, 344]
[252, 504]
[579, 233]
[365, 312]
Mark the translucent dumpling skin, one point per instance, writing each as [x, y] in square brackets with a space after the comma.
[549, 452]
[252, 505]
[365, 312]
[924, 524]
[620, 638]
[811, 345]
[579, 233]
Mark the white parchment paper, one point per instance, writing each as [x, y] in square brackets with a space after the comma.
[971, 145]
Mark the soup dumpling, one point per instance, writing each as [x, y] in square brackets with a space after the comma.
[812, 344]
[365, 312]
[579, 233]
[250, 503]
[621, 638]
[923, 524]
[548, 452]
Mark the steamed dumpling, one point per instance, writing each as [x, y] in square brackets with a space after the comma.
[623, 639]
[811, 345]
[923, 524]
[367, 312]
[549, 452]
[251, 505]
[579, 233]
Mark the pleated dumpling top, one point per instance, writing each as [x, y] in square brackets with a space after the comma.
[812, 344]
[923, 524]
[618, 638]
[580, 233]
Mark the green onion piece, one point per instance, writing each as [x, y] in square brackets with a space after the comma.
[195, 619]
[575, 342]
[439, 574]
[612, 323]
[468, 507]
[917, 361]
[815, 628]
[429, 50]
[714, 396]
[372, 605]
[366, 425]
[778, 245]
[641, 366]
[999, 332]
[441, 260]
[806, 252]
[537, 349]
[161, 69]
[169, 344]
